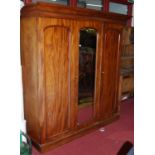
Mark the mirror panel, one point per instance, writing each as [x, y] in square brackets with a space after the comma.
[61, 2]
[87, 57]
[90, 4]
[118, 8]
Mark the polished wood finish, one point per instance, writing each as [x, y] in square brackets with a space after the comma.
[110, 69]
[50, 66]
[30, 75]
[77, 134]
[58, 76]
[56, 79]
[41, 9]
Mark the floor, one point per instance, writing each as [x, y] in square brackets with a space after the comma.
[104, 141]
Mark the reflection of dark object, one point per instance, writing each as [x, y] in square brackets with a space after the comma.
[82, 4]
[86, 71]
[127, 146]
[87, 56]
[88, 38]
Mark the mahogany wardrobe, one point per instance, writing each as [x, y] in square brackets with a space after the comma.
[70, 70]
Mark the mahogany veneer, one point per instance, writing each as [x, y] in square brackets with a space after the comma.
[49, 58]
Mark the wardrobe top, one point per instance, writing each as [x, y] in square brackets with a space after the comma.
[42, 9]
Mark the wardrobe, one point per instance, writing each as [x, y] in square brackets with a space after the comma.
[70, 70]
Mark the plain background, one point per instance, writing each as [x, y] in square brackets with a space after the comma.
[10, 77]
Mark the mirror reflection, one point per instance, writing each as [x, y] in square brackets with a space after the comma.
[87, 56]
[61, 2]
[90, 4]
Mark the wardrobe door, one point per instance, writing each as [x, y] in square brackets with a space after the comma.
[89, 54]
[110, 69]
[57, 79]
[55, 49]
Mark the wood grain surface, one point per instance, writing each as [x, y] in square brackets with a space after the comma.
[110, 69]
[57, 78]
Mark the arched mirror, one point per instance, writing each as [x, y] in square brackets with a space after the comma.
[86, 85]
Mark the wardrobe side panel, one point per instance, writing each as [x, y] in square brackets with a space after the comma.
[30, 75]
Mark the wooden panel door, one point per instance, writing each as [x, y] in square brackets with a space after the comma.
[56, 79]
[110, 69]
[56, 76]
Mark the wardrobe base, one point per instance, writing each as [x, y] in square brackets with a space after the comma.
[52, 145]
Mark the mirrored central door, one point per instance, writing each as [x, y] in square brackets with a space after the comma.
[86, 84]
